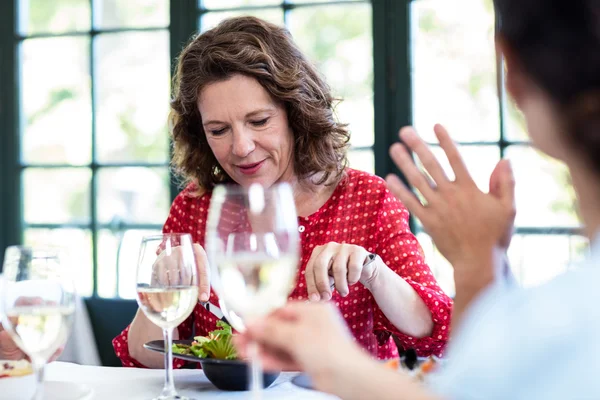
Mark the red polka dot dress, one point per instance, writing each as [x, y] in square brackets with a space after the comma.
[361, 211]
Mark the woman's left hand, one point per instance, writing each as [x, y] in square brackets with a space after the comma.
[341, 264]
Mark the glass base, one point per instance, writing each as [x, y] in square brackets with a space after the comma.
[175, 397]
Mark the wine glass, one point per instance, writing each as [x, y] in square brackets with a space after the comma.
[167, 290]
[252, 245]
[38, 303]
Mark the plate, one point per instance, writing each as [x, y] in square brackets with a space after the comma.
[159, 346]
[303, 381]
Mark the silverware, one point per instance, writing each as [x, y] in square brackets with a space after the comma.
[214, 310]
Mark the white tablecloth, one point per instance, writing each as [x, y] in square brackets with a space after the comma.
[133, 383]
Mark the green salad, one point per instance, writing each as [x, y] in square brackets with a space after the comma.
[218, 344]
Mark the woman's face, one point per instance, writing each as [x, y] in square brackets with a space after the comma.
[247, 131]
[542, 116]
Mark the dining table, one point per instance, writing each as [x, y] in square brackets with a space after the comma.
[137, 383]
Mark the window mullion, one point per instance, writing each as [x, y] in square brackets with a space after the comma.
[11, 228]
[93, 183]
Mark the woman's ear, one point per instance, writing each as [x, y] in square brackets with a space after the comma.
[515, 78]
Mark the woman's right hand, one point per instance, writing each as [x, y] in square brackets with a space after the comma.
[8, 349]
[167, 269]
[310, 337]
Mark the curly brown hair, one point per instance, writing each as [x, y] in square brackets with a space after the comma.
[255, 48]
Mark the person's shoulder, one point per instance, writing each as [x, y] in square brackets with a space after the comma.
[511, 333]
[192, 194]
[364, 179]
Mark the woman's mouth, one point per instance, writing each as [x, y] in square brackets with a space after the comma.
[250, 169]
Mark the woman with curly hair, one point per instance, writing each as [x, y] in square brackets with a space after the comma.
[249, 108]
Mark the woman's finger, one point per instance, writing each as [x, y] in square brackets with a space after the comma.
[415, 177]
[339, 269]
[309, 275]
[412, 141]
[321, 266]
[408, 198]
[355, 265]
[203, 272]
[456, 161]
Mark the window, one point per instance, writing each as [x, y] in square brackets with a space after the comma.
[94, 87]
[455, 82]
[86, 149]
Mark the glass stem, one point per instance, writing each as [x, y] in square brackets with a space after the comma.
[255, 373]
[169, 388]
[38, 366]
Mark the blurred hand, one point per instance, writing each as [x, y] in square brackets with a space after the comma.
[168, 270]
[339, 264]
[8, 348]
[304, 337]
[465, 223]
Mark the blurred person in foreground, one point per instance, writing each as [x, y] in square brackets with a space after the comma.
[511, 343]
[249, 108]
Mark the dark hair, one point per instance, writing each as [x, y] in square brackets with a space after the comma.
[558, 45]
[266, 52]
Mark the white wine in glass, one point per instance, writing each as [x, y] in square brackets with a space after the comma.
[38, 303]
[253, 249]
[167, 290]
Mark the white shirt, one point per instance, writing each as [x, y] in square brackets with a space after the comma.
[541, 343]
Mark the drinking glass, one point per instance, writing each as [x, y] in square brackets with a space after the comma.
[167, 290]
[38, 303]
[252, 245]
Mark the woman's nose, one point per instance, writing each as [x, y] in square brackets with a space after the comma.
[243, 142]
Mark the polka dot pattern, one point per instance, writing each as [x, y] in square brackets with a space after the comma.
[361, 211]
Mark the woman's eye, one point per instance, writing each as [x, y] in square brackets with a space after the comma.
[261, 122]
[217, 132]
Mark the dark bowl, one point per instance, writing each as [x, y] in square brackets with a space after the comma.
[232, 374]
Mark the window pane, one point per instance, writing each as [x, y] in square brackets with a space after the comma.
[77, 244]
[237, 3]
[131, 13]
[58, 195]
[212, 19]
[56, 101]
[532, 263]
[362, 160]
[454, 69]
[108, 251]
[317, 1]
[440, 267]
[133, 195]
[543, 192]
[56, 16]
[339, 40]
[133, 96]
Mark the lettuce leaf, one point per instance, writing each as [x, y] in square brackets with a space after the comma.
[218, 344]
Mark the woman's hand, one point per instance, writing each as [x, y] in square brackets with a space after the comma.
[462, 220]
[168, 270]
[304, 337]
[8, 348]
[313, 338]
[472, 229]
[339, 264]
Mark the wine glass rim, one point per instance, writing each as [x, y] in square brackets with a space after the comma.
[39, 251]
[235, 187]
[159, 236]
